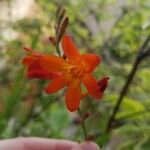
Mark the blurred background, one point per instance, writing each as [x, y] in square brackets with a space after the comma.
[115, 30]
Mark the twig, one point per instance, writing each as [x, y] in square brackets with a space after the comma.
[139, 58]
[83, 124]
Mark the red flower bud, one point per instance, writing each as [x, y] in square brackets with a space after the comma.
[77, 120]
[103, 84]
[52, 40]
[86, 115]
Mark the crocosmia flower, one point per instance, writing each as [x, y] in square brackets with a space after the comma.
[71, 72]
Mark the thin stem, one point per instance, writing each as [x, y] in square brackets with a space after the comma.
[83, 124]
[123, 92]
[57, 50]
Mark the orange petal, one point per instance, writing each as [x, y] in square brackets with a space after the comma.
[69, 48]
[53, 63]
[35, 70]
[73, 95]
[91, 84]
[90, 61]
[57, 83]
[29, 59]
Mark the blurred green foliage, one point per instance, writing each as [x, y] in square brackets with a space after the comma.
[25, 110]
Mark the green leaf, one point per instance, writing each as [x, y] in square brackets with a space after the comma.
[59, 118]
[128, 106]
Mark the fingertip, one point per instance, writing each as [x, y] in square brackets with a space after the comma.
[89, 145]
[77, 147]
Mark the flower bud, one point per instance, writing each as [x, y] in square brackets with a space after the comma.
[103, 84]
[77, 120]
[52, 40]
[90, 137]
[86, 115]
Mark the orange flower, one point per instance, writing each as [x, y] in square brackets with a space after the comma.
[73, 71]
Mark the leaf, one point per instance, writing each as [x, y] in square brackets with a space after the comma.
[128, 106]
[15, 94]
[59, 118]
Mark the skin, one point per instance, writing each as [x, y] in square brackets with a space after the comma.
[45, 144]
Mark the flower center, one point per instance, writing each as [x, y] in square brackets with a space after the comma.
[77, 70]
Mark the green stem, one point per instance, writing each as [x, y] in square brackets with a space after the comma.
[83, 124]
[57, 50]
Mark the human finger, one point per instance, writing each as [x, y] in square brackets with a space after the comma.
[36, 144]
[88, 145]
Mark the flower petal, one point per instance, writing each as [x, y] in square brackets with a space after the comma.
[38, 72]
[69, 48]
[28, 49]
[90, 61]
[58, 83]
[91, 84]
[32, 57]
[34, 68]
[73, 95]
[53, 63]
[28, 60]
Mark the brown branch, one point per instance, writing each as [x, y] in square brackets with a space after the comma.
[142, 49]
[140, 56]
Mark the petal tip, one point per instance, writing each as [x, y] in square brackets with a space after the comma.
[46, 90]
[27, 49]
[72, 109]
